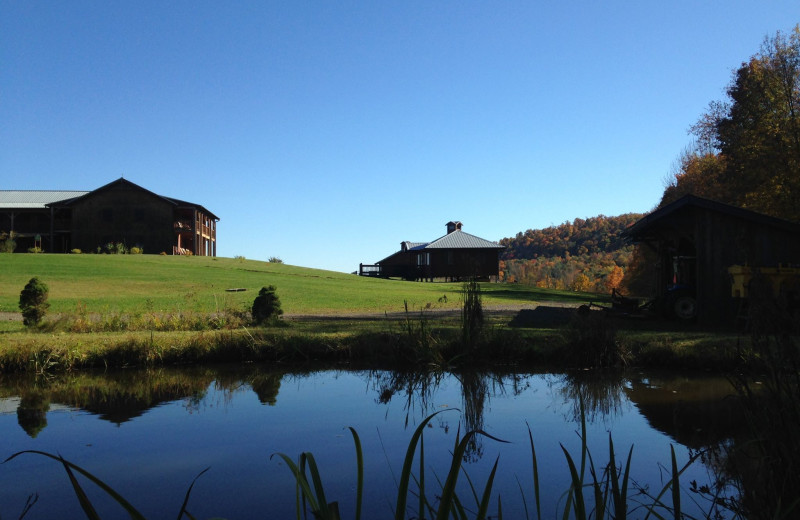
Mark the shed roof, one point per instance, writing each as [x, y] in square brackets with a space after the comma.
[460, 240]
[35, 199]
[647, 223]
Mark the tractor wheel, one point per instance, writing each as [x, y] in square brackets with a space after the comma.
[684, 306]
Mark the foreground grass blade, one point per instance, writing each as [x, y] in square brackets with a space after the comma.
[487, 492]
[673, 484]
[421, 482]
[405, 474]
[86, 504]
[576, 489]
[360, 470]
[448, 490]
[301, 480]
[535, 464]
[676, 490]
[134, 514]
[183, 510]
[323, 510]
[619, 493]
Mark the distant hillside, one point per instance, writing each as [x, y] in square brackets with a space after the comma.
[582, 255]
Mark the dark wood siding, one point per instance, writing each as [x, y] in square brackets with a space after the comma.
[123, 213]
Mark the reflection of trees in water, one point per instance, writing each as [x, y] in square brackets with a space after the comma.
[593, 394]
[32, 412]
[418, 388]
[117, 397]
[474, 393]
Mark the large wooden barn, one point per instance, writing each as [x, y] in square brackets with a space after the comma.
[454, 256]
[700, 243]
[119, 212]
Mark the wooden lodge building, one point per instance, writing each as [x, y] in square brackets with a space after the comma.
[703, 246]
[119, 212]
[454, 256]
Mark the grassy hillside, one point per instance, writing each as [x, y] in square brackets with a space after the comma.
[139, 283]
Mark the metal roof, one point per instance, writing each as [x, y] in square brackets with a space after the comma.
[639, 230]
[35, 199]
[39, 199]
[460, 240]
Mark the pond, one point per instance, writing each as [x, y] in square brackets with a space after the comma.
[148, 433]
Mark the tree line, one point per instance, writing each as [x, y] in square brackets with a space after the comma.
[582, 255]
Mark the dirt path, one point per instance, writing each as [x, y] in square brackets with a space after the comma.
[523, 314]
[10, 316]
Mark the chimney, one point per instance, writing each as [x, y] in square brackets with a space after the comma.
[453, 226]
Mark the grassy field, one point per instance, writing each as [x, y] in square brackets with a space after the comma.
[134, 310]
[152, 283]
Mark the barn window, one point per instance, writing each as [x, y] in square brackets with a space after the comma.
[424, 259]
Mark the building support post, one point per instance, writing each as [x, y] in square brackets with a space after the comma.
[52, 229]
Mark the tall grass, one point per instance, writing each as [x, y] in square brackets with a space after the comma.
[472, 320]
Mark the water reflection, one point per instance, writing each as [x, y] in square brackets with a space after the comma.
[32, 412]
[594, 394]
[695, 412]
[119, 397]
[197, 413]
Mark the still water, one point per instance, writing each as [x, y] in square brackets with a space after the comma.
[148, 433]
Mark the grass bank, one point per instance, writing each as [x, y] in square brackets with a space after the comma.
[145, 310]
[168, 284]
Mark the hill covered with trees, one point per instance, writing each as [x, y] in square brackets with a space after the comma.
[582, 255]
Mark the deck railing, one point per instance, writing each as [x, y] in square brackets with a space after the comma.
[369, 270]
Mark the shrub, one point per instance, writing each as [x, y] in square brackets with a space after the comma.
[35, 250]
[33, 302]
[76, 251]
[136, 250]
[274, 260]
[7, 242]
[186, 252]
[266, 306]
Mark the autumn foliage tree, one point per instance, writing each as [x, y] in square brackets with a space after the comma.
[583, 255]
[748, 146]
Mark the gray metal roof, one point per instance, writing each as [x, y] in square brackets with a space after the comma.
[460, 240]
[35, 199]
[410, 246]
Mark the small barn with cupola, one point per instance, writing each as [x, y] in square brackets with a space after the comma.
[455, 256]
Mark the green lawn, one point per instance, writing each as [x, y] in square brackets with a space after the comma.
[142, 283]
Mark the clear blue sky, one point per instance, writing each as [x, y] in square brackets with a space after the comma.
[325, 133]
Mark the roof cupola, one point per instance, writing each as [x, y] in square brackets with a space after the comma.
[453, 225]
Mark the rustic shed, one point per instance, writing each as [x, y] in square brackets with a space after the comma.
[697, 241]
